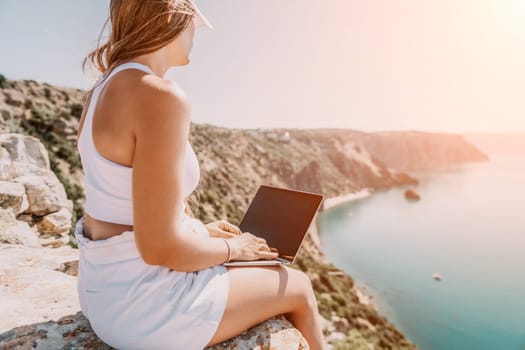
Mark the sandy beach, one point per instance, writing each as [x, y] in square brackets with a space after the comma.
[348, 197]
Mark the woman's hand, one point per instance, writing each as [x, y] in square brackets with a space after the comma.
[222, 228]
[247, 246]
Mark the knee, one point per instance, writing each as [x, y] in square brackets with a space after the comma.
[307, 292]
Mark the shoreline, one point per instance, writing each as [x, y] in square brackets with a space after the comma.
[363, 292]
[345, 198]
[366, 297]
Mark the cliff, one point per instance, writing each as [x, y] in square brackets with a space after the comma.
[416, 150]
[233, 163]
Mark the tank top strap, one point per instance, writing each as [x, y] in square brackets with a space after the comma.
[106, 77]
[87, 128]
[126, 65]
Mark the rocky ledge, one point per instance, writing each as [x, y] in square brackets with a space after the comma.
[40, 309]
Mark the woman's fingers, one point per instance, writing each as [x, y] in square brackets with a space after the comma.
[263, 244]
[229, 227]
[235, 229]
[267, 255]
[267, 248]
[261, 240]
[228, 234]
[274, 250]
[264, 248]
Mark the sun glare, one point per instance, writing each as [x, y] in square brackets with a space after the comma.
[509, 15]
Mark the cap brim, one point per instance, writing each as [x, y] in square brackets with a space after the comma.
[199, 19]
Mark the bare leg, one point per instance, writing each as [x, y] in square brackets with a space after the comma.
[267, 291]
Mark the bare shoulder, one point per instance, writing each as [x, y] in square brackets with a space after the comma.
[158, 89]
[154, 97]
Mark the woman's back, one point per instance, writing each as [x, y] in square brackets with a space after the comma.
[108, 182]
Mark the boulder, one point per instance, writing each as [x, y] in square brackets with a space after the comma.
[14, 231]
[14, 97]
[13, 195]
[411, 194]
[36, 199]
[45, 194]
[25, 149]
[74, 332]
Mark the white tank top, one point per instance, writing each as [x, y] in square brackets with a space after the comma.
[107, 183]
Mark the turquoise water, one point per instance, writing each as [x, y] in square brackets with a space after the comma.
[469, 226]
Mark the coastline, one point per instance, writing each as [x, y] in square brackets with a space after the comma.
[365, 296]
[364, 293]
[333, 202]
[348, 197]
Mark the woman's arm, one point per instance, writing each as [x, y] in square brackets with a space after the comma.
[161, 125]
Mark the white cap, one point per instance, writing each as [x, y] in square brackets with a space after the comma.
[200, 19]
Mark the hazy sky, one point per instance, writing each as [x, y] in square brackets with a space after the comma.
[431, 65]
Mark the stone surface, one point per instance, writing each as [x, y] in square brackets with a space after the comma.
[14, 97]
[25, 149]
[13, 195]
[45, 193]
[31, 289]
[33, 193]
[40, 306]
[74, 332]
[275, 333]
[58, 222]
[14, 231]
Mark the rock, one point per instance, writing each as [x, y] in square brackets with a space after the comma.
[31, 289]
[411, 194]
[45, 193]
[340, 324]
[16, 232]
[5, 114]
[69, 267]
[74, 332]
[275, 333]
[55, 223]
[68, 332]
[40, 307]
[25, 217]
[11, 170]
[14, 97]
[25, 149]
[39, 287]
[36, 199]
[42, 103]
[13, 195]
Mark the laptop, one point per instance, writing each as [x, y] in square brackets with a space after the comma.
[282, 217]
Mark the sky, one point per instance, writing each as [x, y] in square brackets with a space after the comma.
[372, 65]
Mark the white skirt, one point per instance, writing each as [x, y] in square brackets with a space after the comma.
[133, 305]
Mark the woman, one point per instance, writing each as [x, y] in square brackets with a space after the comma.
[150, 274]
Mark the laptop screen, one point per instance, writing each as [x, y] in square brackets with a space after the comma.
[282, 216]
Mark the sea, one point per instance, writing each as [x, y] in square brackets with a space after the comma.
[468, 227]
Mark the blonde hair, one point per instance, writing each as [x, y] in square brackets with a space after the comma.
[138, 27]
